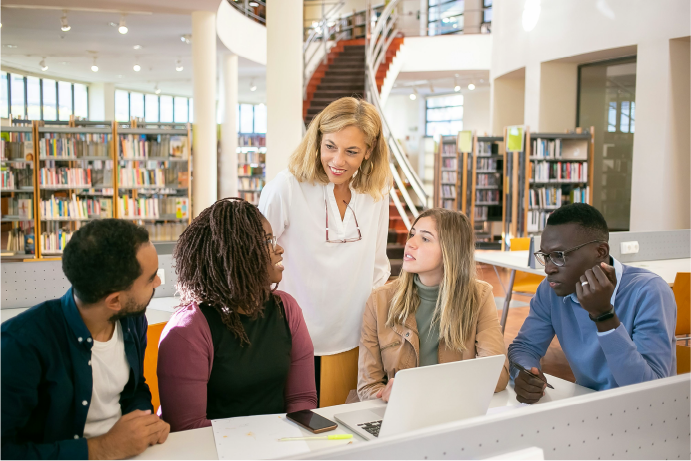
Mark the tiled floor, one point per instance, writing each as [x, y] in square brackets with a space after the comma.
[554, 362]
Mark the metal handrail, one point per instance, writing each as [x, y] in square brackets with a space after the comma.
[321, 31]
[244, 8]
[378, 40]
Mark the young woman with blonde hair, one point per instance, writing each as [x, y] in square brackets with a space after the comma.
[436, 312]
[330, 211]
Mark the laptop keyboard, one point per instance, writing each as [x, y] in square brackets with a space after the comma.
[372, 427]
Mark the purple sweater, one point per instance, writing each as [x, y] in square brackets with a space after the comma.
[186, 356]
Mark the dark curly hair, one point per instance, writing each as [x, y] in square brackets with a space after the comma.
[221, 261]
[101, 258]
[586, 216]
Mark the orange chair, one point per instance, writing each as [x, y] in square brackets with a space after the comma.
[524, 282]
[153, 335]
[682, 295]
[338, 377]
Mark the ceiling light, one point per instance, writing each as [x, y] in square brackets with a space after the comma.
[253, 87]
[64, 26]
[413, 95]
[471, 87]
[178, 65]
[43, 65]
[457, 88]
[123, 25]
[10, 46]
[137, 67]
[186, 38]
[157, 90]
[253, 4]
[94, 67]
[137, 47]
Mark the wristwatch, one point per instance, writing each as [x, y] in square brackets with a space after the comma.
[602, 317]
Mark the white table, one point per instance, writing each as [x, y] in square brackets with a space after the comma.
[518, 261]
[200, 444]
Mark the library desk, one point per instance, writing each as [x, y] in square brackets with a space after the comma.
[200, 444]
[518, 261]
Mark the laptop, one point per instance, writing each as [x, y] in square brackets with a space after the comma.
[426, 396]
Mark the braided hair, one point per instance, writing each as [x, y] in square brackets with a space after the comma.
[221, 260]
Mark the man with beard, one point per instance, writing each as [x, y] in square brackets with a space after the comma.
[72, 368]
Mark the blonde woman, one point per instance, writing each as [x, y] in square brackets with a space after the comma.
[330, 211]
[436, 312]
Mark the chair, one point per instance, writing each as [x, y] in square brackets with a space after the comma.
[153, 335]
[682, 295]
[524, 282]
[338, 377]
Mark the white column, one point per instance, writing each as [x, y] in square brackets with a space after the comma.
[283, 82]
[204, 185]
[228, 163]
[102, 101]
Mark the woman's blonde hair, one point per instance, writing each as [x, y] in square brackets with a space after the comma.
[374, 175]
[458, 303]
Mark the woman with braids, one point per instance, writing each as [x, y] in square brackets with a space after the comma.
[435, 312]
[330, 210]
[236, 347]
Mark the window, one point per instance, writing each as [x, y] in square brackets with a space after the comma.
[166, 105]
[4, 97]
[50, 100]
[137, 105]
[122, 106]
[64, 100]
[81, 101]
[17, 95]
[260, 118]
[191, 104]
[181, 110]
[246, 118]
[445, 16]
[444, 115]
[151, 108]
[486, 17]
[33, 98]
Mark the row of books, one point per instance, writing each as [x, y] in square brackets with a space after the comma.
[487, 148]
[165, 232]
[448, 176]
[546, 148]
[545, 197]
[16, 150]
[251, 157]
[448, 149]
[250, 183]
[252, 197]
[16, 178]
[448, 204]
[20, 207]
[537, 220]
[559, 171]
[486, 164]
[154, 208]
[75, 208]
[54, 242]
[134, 177]
[77, 177]
[247, 170]
[481, 213]
[76, 145]
[448, 191]
[449, 163]
[579, 195]
[487, 179]
[248, 140]
[487, 196]
[556, 149]
[17, 240]
[145, 146]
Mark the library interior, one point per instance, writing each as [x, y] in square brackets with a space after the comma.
[502, 177]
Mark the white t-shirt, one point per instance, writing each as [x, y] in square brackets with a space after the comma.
[330, 281]
[111, 371]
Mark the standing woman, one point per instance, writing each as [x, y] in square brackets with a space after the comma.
[330, 211]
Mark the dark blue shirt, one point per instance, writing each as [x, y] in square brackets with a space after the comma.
[47, 377]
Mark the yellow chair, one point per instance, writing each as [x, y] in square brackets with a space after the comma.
[682, 295]
[524, 282]
[338, 377]
[153, 335]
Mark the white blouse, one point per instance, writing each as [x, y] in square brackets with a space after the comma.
[330, 281]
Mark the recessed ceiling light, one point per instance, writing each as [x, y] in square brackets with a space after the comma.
[10, 46]
[43, 65]
[94, 67]
[186, 38]
[137, 47]
[471, 87]
[137, 67]
[157, 90]
[457, 88]
[123, 25]
[64, 25]
[178, 65]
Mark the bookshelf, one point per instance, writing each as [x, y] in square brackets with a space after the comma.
[251, 166]
[17, 165]
[446, 179]
[544, 171]
[486, 190]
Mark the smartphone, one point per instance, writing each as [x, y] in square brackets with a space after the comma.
[312, 421]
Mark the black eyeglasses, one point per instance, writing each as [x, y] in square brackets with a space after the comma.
[559, 257]
[359, 237]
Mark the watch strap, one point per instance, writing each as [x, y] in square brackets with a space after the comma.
[602, 317]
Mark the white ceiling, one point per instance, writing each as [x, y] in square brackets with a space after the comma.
[439, 82]
[154, 25]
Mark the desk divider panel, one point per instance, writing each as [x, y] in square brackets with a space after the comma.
[25, 284]
[675, 244]
[642, 421]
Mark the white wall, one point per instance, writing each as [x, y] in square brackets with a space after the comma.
[570, 30]
[448, 52]
[402, 115]
[102, 101]
[476, 110]
[241, 35]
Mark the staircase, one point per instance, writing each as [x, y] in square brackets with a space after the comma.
[342, 75]
[396, 241]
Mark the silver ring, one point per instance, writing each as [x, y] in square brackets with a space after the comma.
[584, 283]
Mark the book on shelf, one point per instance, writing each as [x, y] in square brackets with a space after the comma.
[248, 170]
[481, 213]
[183, 179]
[20, 207]
[77, 145]
[54, 241]
[448, 176]
[178, 146]
[77, 177]
[165, 232]
[250, 183]
[74, 208]
[487, 148]
[486, 164]
[448, 192]
[537, 220]
[487, 196]
[448, 204]
[16, 178]
[134, 146]
[545, 197]
[252, 197]
[567, 149]
[16, 146]
[449, 163]
[153, 208]
[251, 157]
[559, 171]
[142, 177]
[487, 179]
[252, 140]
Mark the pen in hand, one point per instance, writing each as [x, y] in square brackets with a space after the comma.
[521, 368]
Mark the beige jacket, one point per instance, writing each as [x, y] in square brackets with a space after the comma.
[385, 350]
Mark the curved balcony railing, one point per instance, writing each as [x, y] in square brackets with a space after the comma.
[381, 32]
[255, 9]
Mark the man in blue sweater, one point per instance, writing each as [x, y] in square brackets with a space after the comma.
[614, 322]
[72, 368]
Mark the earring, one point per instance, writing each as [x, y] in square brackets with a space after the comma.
[371, 164]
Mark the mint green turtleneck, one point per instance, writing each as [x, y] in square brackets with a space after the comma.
[428, 333]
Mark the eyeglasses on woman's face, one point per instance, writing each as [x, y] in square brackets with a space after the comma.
[272, 242]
